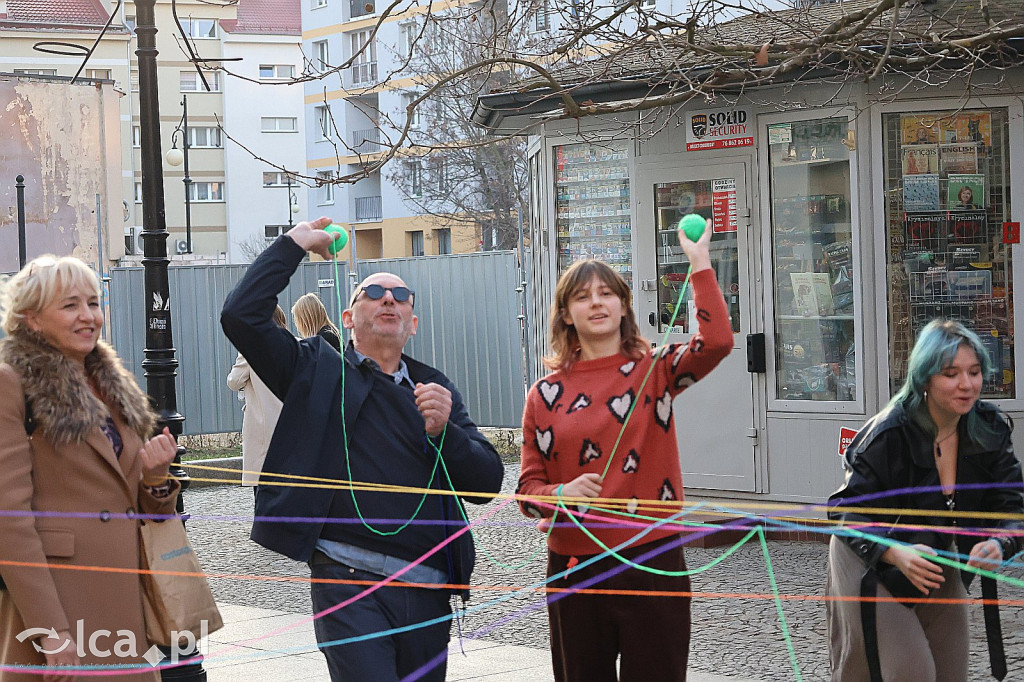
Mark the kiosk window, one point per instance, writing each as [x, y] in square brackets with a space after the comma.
[714, 200]
[592, 205]
[812, 249]
[947, 181]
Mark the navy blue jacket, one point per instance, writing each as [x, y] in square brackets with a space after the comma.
[386, 442]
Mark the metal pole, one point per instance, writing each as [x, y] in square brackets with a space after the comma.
[187, 180]
[19, 184]
[288, 180]
[159, 364]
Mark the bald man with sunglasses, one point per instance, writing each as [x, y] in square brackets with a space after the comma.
[374, 416]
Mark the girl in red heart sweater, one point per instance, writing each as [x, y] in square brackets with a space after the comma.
[572, 420]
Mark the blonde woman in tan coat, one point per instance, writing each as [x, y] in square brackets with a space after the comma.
[260, 410]
[78, 462]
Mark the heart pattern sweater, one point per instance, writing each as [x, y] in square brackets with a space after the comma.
[572, 421]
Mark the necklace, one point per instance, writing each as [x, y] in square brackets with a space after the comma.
[940, 441]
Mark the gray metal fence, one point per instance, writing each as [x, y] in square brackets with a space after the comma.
[467, 328]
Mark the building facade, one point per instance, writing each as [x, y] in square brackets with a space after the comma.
[24, 25]
[354, 112]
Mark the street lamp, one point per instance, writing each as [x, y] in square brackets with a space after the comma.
[175, 157]
[293, 201]
[160, 365]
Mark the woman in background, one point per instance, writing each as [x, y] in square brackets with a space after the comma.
[260, 410]
[311, 320]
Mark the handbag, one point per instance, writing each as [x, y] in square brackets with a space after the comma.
[176, 595]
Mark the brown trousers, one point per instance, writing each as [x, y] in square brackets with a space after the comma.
[926, 643]
[590, 631]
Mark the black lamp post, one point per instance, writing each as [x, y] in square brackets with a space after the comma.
[293, 206]
[160, 364]
[175, 158]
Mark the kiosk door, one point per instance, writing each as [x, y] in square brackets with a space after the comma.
[715, 420]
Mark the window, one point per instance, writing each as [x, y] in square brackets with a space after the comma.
[361, 8]
[323, 121]
[276, 71]
[413, 118]
[542, 19]
[325, 194]
[415, 174]
[137, 136]
[416, 243]
[317, 4]
[279, 124]
[206, 191]
[440, 173]
[815, 271]
[947, 189]
[205, 136]
[407, 36]
[129, 23]
[138, 192]
[98, 74]
[277, 179]
[364, 57]
[36, 72]
[190, 81]
[321, 56]
[444, 241]
[134, 80]
[272, 232]
[643, 4]
[199, 28]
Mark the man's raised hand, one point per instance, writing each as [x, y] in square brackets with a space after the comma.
[310, 236]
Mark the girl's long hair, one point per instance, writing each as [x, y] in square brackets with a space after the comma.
[565, 342]
[310, 316]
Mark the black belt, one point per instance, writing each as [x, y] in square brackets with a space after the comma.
[869, 625]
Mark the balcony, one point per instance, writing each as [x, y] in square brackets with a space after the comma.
[364, 74]
[360, 8]
[368, 209]
[366, 141]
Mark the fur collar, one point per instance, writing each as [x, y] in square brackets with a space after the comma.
[57, 388]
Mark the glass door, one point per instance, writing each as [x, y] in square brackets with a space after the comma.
[715, 418]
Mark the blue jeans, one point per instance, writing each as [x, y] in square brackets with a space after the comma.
[382, 659]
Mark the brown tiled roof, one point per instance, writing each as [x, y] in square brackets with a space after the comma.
[266, 17]
[55, 13]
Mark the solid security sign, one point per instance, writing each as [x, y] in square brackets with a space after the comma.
[720, 129]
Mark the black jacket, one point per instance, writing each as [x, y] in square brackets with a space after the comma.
[306, 375]
[893, 453]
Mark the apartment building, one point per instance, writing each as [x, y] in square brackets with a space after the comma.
[353, 112]
[263, 115]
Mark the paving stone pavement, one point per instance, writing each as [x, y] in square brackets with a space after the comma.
[731, 636]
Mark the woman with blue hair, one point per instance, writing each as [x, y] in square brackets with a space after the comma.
[915, 474]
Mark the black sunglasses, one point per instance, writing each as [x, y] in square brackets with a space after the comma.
[375, 292]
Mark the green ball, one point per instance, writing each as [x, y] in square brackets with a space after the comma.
[340, 241]
[692, 226]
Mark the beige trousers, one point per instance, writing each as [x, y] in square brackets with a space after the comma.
[926, 643]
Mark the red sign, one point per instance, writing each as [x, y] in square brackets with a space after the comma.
[723, 205]
[845, 438]
[1011, 233]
